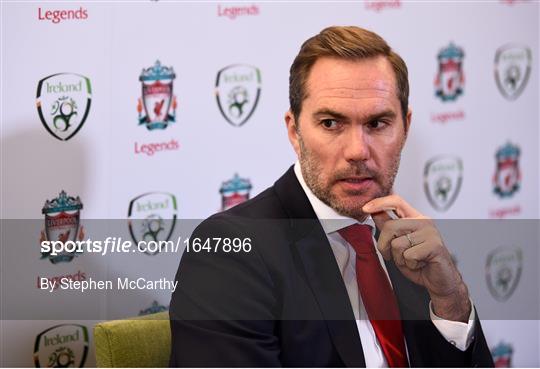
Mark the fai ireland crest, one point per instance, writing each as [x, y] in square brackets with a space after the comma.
[158, 101]
[512, 69]
[502, 355]
[442, 181]
[234, 191]
[62, 223]
[152, 217]
[238, 88]
[450, 78]
[61, 346]
[503, 270]
[507, 177]
[63, 103]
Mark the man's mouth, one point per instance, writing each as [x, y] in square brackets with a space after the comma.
[355, 179]
[355, 184]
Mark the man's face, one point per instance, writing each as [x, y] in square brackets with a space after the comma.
[350, 132]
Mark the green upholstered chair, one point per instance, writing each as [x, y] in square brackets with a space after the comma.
[134, 342]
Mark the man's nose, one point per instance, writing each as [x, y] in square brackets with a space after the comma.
[356, 145]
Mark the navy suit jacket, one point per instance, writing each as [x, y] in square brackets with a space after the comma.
[284, 303]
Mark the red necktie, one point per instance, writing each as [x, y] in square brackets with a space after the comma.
[377, 295]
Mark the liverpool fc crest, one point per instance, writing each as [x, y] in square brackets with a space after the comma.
[62, 223]
[450, 77]
[507, 177]
[502, 355]
[234, 191]
[153, 309]
[158, 101]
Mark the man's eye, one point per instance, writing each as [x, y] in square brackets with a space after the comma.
[377, 124]
[330, 123]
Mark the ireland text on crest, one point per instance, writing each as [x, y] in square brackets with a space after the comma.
[152, 217]
[238, 88]
[61, 346]
[503, 271]
[512, 69]
[63, 103]
[442, 181]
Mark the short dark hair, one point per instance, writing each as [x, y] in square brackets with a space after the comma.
[349, 43]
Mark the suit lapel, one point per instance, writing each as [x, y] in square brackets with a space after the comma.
[321, 270]
[326, 282]
[327, 285]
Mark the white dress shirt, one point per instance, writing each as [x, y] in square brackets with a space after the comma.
[458, 333]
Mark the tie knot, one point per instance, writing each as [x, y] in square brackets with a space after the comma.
[359, 237]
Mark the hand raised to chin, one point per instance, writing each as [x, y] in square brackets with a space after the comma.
[416, 247]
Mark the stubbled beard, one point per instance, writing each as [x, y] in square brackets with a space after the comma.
[322, 187]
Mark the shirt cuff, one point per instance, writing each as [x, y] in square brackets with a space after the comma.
[457, 333]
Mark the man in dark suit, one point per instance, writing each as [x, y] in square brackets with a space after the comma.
[293, 276]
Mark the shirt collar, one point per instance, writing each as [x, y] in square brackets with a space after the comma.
[330, 219]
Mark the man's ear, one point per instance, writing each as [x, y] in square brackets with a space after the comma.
[408, 121]
[292, 131]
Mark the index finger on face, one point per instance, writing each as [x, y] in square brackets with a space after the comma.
[403, 209]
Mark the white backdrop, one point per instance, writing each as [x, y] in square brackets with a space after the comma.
[104, 163]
